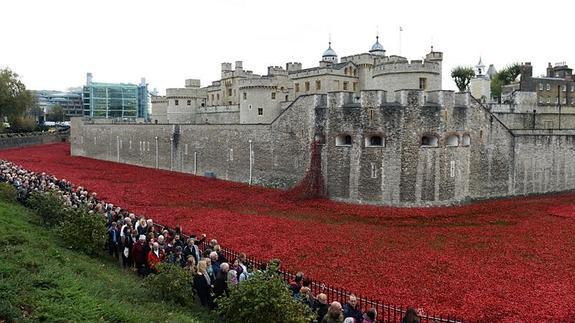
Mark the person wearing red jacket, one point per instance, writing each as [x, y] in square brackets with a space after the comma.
[140, 255]
[155, 256]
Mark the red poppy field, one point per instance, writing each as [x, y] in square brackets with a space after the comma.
[503, 260]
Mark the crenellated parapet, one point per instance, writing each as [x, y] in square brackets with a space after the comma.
[415, 66]
[265, 82]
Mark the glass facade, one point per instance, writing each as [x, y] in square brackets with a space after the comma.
[106, 100]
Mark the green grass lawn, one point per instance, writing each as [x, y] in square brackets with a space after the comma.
[42, 281]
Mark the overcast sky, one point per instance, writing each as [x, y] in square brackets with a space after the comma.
[52, 44]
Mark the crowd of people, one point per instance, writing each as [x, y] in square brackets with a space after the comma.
[137, 244]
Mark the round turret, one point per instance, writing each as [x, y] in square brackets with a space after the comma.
[329, 55]
[377, 48]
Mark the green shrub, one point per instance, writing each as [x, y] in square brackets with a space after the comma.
[7, 192]
[264, 297]
[9, 312]
[83, 231]
[50, 206]
[172, 282]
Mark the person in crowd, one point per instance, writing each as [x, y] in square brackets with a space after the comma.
[127, 245]
[203, 284]
[321, 306]
[178, 241]
[334, 314]
[155, 256]
[410, 316]
[140, 253]
[215, 262]
[221, 282]
[191, 266]
[351, 308]
[113, 239]
[177, 257]
[296, 284]
[370, 316]
[221, 257]
[306, 297]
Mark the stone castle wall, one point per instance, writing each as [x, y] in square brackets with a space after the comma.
[477, 155]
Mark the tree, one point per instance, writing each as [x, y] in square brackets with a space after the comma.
[15, 100]
[462, 76]
[504, 77]
[56, 113]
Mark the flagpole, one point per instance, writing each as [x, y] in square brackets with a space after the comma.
[400, 30]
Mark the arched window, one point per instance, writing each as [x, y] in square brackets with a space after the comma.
[429, 141]
[343, 140]
[466, 140]
[452, 141]
[374, 141]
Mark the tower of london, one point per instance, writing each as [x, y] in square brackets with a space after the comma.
[388, 132]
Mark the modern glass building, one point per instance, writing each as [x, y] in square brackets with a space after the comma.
[70, 101]
[115, 100]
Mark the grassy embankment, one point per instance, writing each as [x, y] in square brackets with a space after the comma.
[43, 281]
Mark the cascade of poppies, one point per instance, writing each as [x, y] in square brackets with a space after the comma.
[312, 185]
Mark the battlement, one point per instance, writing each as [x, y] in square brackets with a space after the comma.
[293, 66]
[187, 92]
[193, 83]
[415, 66]
[257, 82]
[238, 73]
[159, 99]
[377, 98]
[276, 70]
[360, 59]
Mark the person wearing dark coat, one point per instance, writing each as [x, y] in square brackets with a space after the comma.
[351, 309]
[321, 306]
[221, 283]
[140, 254]
[203, 284]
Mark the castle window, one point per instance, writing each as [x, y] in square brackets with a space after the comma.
[564, 88]
[212, 97]
[422, 83]
[345, 71]
[260, 111]
[245, 96]
[345, 84]
[318, 85]
[355, 72]
[374, 141]
[249, 107]
[540, 86]
[371, 114]
[229, 92]
[218, 96]
[354, 86]
[564, 101]
[548, 87]
[452, 141]
[429, 141]
[203, 104]
[548, 101]
[373, 170]
[306, 86]
[189, 102]
[466, 140]
[343, 140]
[287, 98]
[273, 95]
[176, 102]
[297, 87]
